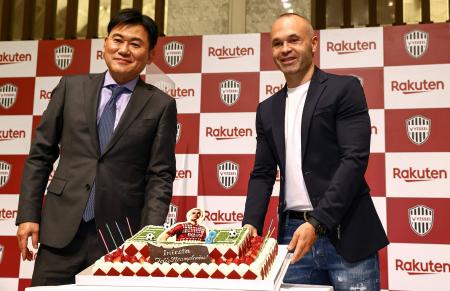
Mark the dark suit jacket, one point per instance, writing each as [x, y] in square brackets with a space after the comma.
[133, 177]
[335, 150]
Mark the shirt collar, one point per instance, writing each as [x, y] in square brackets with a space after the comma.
[130, 85]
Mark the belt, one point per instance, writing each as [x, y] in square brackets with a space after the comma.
[302, 215]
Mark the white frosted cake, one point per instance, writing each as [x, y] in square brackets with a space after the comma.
[228, 254]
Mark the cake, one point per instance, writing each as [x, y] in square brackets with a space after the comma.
[225, 254]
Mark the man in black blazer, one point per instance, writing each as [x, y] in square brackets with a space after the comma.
[115, 139]
[317, 131]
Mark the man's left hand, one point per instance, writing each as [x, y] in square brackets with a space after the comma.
[302, 240]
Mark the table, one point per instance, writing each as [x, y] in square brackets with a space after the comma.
[284, 287]
[86, 282]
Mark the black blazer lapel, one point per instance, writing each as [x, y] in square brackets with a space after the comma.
[312, 97]
[91, 101]
[139, 98]
[278, 114]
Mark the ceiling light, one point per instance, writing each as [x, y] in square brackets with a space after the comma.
[287, 5]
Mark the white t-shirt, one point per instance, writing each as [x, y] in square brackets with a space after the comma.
[296, 197]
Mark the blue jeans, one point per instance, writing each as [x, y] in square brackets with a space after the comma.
[322, 265]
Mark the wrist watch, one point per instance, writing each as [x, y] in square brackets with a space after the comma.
[319, 227]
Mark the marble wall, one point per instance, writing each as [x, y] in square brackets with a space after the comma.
[260, 14]
[196, 17]
[201, 17]
[191, 17]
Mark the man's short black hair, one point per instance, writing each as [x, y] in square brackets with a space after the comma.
[133, 16]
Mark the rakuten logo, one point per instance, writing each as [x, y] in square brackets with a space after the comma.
[419, 175]
[99, 55]
[7, 214]
[183, 174]
[222, 133]
[220, 217]
[230, 53]
[7, 59]
[10, 134]
[414, 267]
[272, 89]
[343, 47]
[374, 130]
[414, 87]
[45, 95]
[180, 92]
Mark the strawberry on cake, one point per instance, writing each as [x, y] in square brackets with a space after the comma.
[221, 254]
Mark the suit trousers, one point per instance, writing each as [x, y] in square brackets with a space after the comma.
[322, 265]
[56, 266]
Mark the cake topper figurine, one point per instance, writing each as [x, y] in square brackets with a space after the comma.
[190, 230]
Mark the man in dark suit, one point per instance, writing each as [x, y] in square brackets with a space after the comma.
[317, 131]
[115, 139]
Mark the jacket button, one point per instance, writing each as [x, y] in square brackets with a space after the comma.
[88, 187]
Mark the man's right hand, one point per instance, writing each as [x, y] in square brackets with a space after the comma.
[252, 229]
[24, 231]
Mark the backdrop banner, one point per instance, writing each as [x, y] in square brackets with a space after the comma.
[218, 81]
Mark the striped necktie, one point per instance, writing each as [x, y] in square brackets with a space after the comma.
[105, 130]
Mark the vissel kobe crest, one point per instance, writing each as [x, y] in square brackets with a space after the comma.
[418, 129]
[63, 56]
[227, 174]
[230, 91]
[421, 219]
[416, 43]
[173, 53]
[8, 95]
[5, 173]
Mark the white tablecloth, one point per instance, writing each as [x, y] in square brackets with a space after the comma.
[284, 287]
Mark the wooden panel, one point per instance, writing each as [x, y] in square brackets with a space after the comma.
[159, 15]
[29, 10]
[71, 19]
[398, 13]
[426, 11]
[321, 9]
[115, 7]
[92, 23]
[49, 22]
[373, 13]
[138, 4]
[5, 33]
[347, 15]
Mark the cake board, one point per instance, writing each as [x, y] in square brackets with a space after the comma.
[272, 283]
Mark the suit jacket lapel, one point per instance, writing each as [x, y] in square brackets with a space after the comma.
[312, 97]
[91, 101]
[278, 114]
[139, 98]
